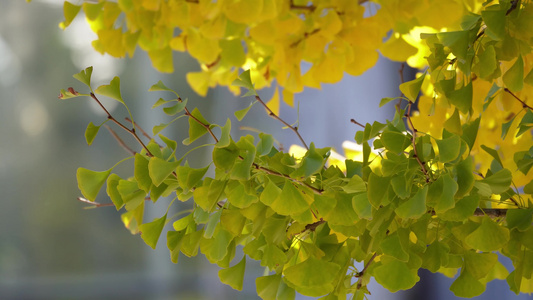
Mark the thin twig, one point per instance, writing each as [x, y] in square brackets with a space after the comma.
[206, 126]
[524, 104]
[400, 71]
[273, 115]
[131, 131]
[357, 123]
[514, 5]
[255, 165]
[413, 141]
[146, 135]
[119, 140]
[362, 273]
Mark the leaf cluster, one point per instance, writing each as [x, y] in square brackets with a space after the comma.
[412, 202]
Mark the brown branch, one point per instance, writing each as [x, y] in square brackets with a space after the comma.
[413, 141]
[306, 34]
[275, 173]
[273, 115]
[400, 71]
[119, 140]
[138, 127]
[362, 273]
[255, 165]
[357, 123]
[313, 226]
[310, 8]
[514, 5]
[524, 104]
[131, 131]
[206, 126]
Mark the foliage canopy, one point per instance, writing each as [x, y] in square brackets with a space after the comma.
[444, 188]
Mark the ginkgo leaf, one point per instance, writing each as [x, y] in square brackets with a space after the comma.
[395, 275]
[267, 286]
[415, 206]
[150, 232]
[159, 169]
[234, 276]
[91, 132]
[488, 237]
[245, 81]
[85, 75]
[312, 277]
[411, 89]
[90, 182]
[70, 11]
[514, 77]
[112, 90]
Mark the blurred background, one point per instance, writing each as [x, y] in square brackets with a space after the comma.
[53, 248]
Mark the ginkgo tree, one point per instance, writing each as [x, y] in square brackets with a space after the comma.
[445, 185]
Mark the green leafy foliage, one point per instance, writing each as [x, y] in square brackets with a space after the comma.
[440, 189]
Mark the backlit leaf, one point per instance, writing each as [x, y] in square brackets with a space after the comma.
[234, 276]
[411, 89]
[159, 169]
[70, 11]
[467, 286]
[150, 232]
[488, 237]
[449, 148]
[112, 90]
[394, 275]
[85, 75]
[415, 207]
[312, 277]
[90, 182]
[514, 77]
[91, 132]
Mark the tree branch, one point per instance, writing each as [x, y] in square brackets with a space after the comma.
[131, 131]
[524, 104]
[413, 141]
[119, 140]
[362, 273]
[357, 123]
[273, 115]
[206, 126]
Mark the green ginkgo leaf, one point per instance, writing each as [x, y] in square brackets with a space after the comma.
[159, 169]
[150, 232]
[245, 81]
[90, 182]
[488, 237]
[85, 76]
[467, 286]
[240, 114]
[91, 132]
[411, 89]
[112, 90]
[267, 286]
[234, 276]
[514, 77]
[395, 275]
[312, 277]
